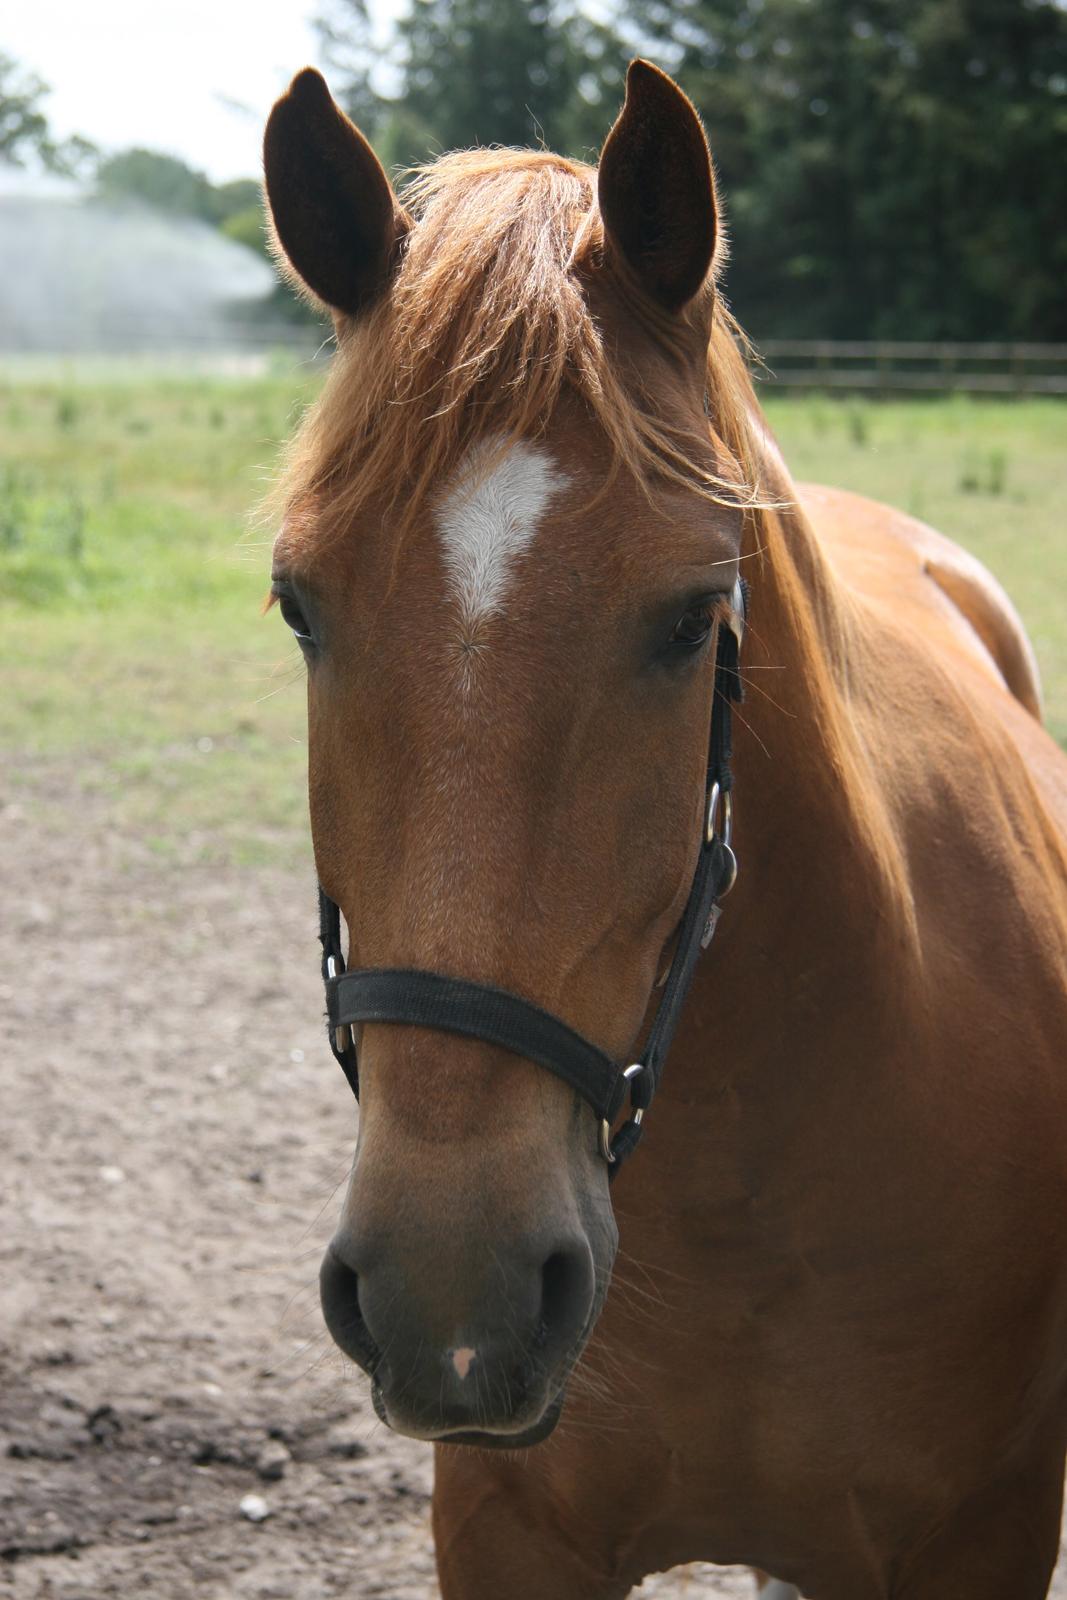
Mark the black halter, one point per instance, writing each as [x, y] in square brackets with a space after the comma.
[456, 1005]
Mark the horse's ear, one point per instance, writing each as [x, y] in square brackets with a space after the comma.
[334, 211]
[657, 190]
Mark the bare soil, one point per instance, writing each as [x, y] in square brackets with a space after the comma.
[174, 1138]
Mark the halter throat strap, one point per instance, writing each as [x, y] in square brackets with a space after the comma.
[408, 996]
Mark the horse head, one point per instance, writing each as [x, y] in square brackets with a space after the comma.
[513, 522]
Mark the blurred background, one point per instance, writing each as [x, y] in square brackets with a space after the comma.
[893, 168]
[894, 175]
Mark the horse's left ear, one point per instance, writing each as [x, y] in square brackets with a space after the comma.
[657, 190]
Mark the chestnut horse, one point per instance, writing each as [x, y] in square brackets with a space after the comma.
[836, 1348]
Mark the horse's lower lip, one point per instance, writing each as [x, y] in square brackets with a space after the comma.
[511, 1441]
[485, 1440]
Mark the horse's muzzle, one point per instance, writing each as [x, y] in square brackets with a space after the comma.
[487, 1368]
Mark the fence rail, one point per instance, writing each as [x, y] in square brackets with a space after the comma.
[902, 366]
[870, 366]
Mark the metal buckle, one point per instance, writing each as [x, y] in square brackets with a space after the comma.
[342, 1036]
[636, 1119]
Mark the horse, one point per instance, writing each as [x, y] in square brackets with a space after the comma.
[816, 1323]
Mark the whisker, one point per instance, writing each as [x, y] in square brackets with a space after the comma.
[317, 1218]
[746, 724]
[757, 689]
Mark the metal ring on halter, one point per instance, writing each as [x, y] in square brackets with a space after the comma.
[342, 1036]
[636, 1119]
[715, 798]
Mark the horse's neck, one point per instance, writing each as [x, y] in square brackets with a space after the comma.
[817, 954]
[802, 625]
[816, 827]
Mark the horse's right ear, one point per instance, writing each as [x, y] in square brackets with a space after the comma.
[334, 211]
[657, 189]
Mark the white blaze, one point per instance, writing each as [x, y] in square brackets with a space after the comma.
[489, 516]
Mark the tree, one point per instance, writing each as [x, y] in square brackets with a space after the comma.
[478, 72]
[892, 167]
[25, 137]
[349, 47]
[169, 184]
[509, 72]
[158, 180]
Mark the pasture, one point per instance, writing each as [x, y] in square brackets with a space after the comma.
[131, 573]
[179, 1127]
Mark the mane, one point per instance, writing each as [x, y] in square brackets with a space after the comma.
[486, 324]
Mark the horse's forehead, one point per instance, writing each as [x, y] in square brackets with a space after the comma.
[489, 515]
[505, 517]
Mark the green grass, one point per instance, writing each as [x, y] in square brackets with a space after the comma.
[135, 662]
[131, 579]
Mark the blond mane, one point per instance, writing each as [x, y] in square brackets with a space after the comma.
[485, 325]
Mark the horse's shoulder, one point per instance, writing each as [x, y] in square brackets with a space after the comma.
[887, 555]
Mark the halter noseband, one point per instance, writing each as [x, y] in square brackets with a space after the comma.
[479, 1011]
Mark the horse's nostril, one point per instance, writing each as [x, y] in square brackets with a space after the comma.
[339, 1292]
[566, 1297]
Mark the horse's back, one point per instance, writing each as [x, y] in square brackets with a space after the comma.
[925, 582]
[883, 553]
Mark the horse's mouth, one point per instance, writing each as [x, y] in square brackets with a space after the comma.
[479, 1439]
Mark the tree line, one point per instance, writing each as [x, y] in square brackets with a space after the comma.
[889, 168]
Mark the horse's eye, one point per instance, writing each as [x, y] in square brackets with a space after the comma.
[693, 627]
[294, 618]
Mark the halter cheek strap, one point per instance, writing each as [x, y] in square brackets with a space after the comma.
[479, 1011]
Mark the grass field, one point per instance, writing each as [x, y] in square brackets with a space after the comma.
[131, 578]
[133, 651]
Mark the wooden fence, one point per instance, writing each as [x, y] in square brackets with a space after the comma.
[872, 367]
[894, 366]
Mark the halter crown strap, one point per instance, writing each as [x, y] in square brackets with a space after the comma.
[479, 1011]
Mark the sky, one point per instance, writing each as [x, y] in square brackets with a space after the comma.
[195, 78]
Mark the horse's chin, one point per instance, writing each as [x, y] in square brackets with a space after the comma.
[477, 1439]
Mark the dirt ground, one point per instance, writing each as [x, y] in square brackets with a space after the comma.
[174, 1137]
